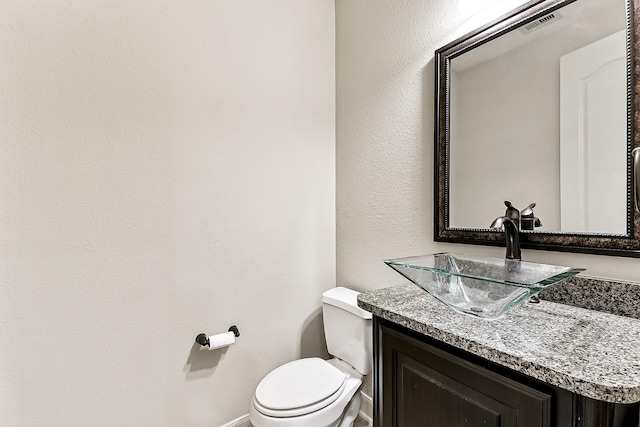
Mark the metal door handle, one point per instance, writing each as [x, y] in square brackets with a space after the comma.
[636, 177]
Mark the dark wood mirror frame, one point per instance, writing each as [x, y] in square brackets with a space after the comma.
[627, 245]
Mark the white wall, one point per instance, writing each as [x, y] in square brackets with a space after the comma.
[166, 168]
[385, 80]
[513, 129]
[509, 129]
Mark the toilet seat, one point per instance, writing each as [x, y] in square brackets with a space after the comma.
[299, 387]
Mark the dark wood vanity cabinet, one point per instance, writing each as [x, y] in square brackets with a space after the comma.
[421, 382]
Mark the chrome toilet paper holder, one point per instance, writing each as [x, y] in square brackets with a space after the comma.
[203, 339]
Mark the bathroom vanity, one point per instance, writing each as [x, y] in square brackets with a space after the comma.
[544, 364]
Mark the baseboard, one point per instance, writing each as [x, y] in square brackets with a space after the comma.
[243, 421]
[366, 419]
[366, 408]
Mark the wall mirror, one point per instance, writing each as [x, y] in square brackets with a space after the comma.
[538, 107]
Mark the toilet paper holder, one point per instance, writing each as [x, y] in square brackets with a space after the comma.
[203, 339]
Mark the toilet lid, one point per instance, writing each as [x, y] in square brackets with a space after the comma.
[300, 387]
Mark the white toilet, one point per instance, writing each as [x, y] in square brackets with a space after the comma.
[321, 393]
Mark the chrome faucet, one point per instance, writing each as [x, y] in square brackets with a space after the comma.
[511, 234]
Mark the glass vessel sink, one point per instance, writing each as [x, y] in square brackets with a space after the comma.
[480, 286]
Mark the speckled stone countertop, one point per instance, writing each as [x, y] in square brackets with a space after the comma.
[609, 296]
[588, 352]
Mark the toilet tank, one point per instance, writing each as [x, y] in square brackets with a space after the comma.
[347, 328]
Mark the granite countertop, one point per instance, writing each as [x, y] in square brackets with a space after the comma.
[588, 352]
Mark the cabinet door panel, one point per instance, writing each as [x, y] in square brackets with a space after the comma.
[448, 402]
[430, 387]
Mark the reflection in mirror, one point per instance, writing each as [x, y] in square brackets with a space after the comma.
[539, 115]
[538, 108]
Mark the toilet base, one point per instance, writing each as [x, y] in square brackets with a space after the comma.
[352, 411]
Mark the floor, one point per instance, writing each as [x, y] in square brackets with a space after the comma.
[361, 423]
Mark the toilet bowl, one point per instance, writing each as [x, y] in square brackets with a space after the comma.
[307, 392]
[313, 392]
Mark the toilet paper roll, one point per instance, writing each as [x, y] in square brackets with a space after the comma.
[221, 340]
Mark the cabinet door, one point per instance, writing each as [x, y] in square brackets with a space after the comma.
[423, 386]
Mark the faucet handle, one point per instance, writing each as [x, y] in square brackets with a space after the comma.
[498, 223]
[511, 212]
[528, 220]
[528, 211]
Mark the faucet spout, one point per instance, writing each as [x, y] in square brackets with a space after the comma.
[511, 234]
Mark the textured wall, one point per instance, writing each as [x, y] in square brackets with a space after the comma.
[385, 80]
[166, 168]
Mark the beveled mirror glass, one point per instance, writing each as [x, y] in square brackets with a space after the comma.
[538, 107]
